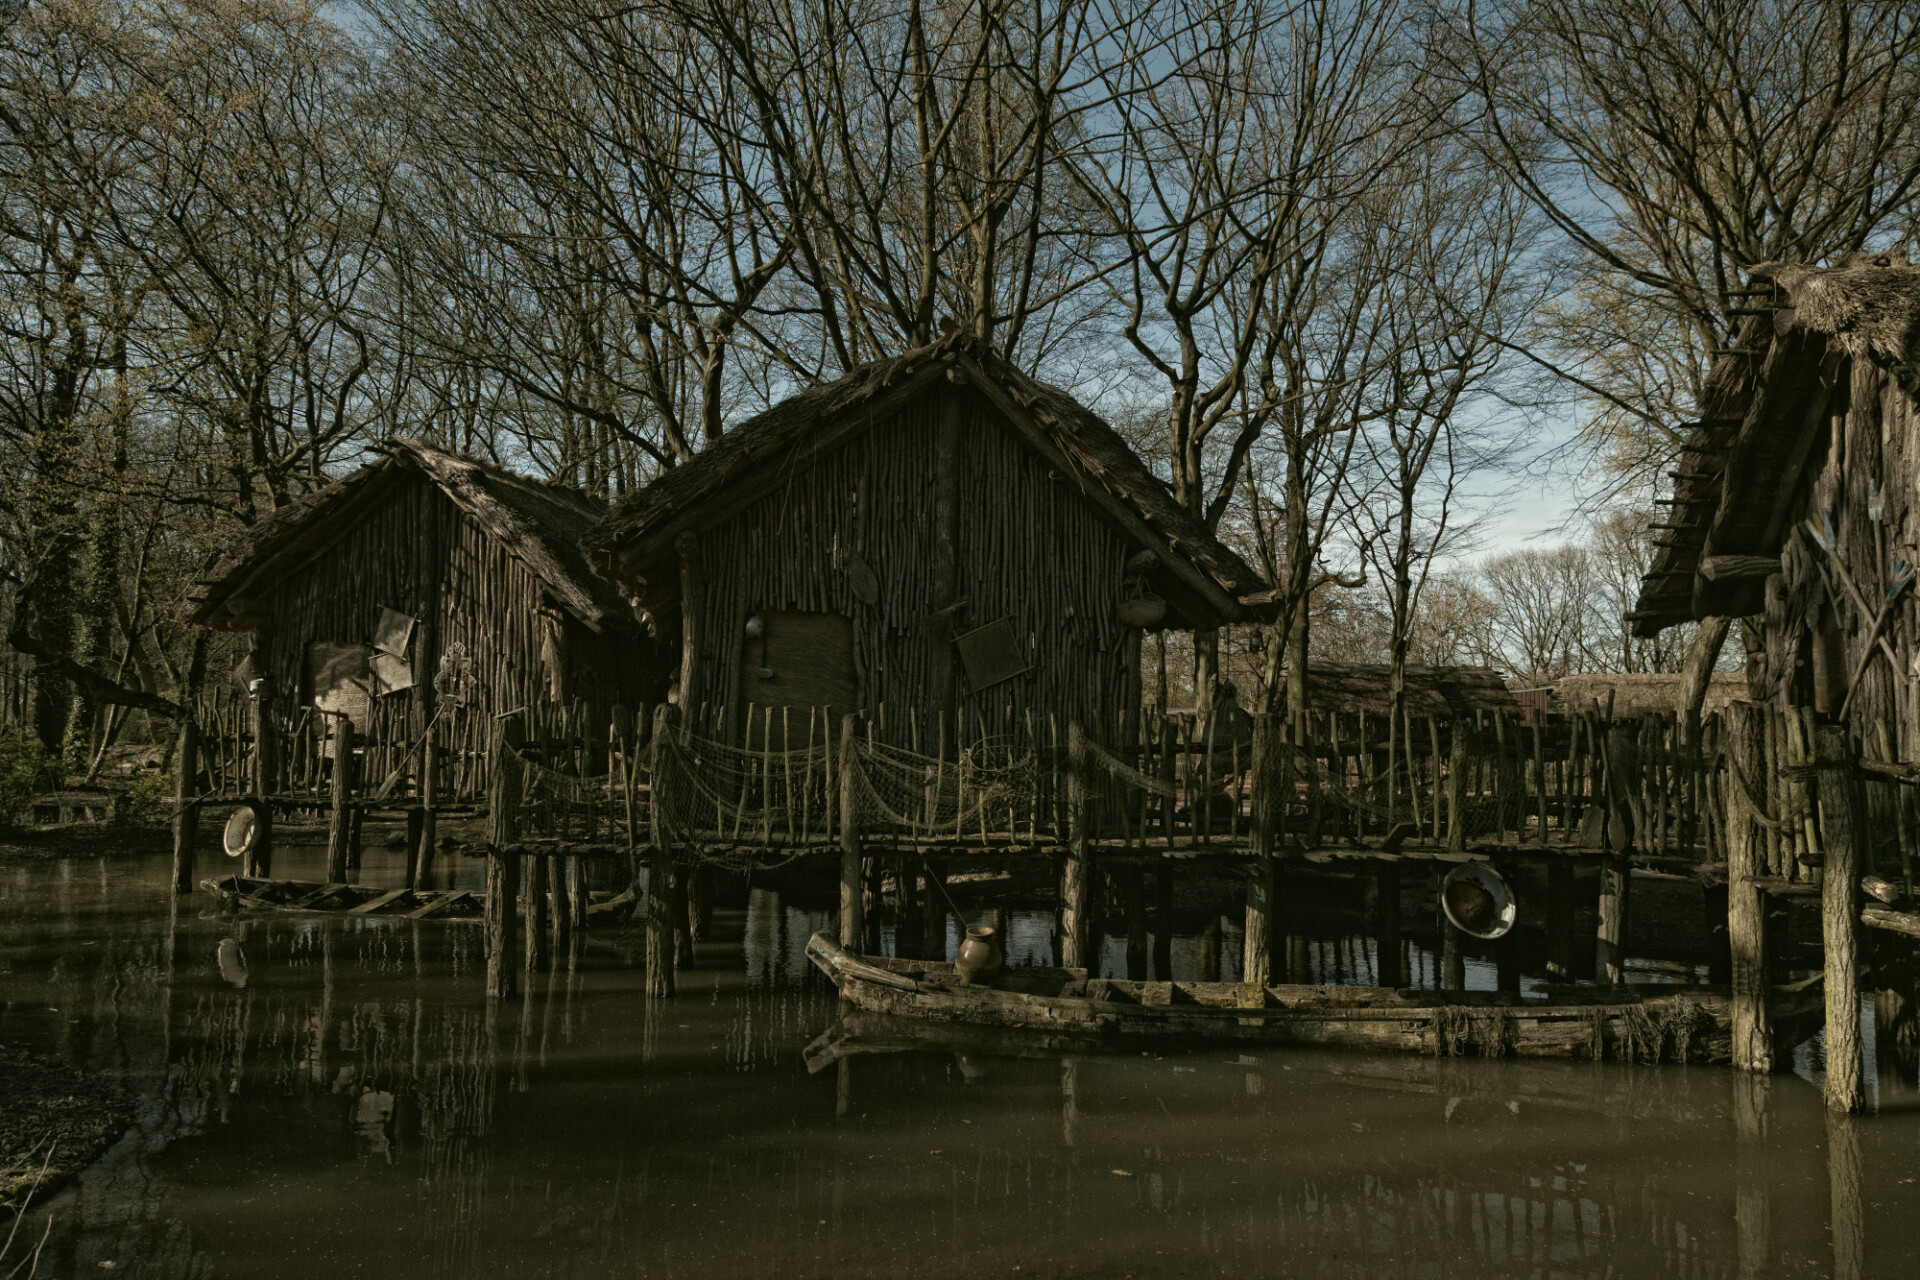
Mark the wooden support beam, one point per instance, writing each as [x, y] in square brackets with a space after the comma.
[660, 980]
[1839, 916]
[1727, 568]
[1746, 900]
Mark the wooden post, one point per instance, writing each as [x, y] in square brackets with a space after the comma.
[1746, 901]
[1623, 785]
[539, 939]
[579, 896]
[1453, 960]
[259, 862]
[1256, 953]
[1386, 926]
[853, 911]
[1075, 950]
[561, 888]
[186, 808]
[337, 830]
[503, 917]
[660, 869]
[682, 920]
[1840, 916]
[1456, 786]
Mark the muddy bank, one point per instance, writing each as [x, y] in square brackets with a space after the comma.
[29, 845]
[54, 1121]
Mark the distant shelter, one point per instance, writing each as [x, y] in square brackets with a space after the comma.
[425, 583]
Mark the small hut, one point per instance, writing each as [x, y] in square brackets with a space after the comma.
[421, 576]
[1444, 693]
[935, 540]
[1797, 497]
[1635, 694]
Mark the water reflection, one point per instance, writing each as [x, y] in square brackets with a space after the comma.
[351, 1103]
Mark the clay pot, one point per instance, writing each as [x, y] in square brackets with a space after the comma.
[980, 958]
[1145, 611]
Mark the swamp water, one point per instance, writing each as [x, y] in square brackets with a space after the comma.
[326, 1097]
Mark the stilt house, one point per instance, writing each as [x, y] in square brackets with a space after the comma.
[426, 577]
[1797, 498]
[934, 539]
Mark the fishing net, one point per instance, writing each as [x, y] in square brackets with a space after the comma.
[726, 805]
[989, 789]
[533, 801]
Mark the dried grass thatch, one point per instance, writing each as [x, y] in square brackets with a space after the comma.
[760, 453]
[539, 524]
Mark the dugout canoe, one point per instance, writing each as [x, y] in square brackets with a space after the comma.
[305, 897]
[1650, 1023]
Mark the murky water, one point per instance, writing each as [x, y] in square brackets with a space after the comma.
[356, 1108]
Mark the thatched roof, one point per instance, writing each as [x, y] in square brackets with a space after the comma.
[1761, 413]
[1440, 692]
[1637, 694]
[758, 454]
[539, 524]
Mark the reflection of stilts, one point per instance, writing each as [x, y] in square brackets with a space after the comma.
[1843, 1181]
[843, 1089]
[1752, 1204]
[1069, 1099]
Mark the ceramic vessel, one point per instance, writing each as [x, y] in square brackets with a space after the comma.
[980, 958]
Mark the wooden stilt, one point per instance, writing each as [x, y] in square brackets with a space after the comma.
[852, 900]
[1256, 958]
[186, 809]
[1075, 935]
[342, 818]
[1623, 786]
[1840, 917]
[1453, 961]
[259, 860]
[1750, 974]
[660, 869]
[503, 886]
[560, 886]
[539, 939]
[682, 919]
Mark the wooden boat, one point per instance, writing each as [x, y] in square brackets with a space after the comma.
[309, 896]
[1649, 1023]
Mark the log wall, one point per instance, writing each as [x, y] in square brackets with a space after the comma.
[1028, 548]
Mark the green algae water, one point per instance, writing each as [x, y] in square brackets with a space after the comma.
[324, 1097]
